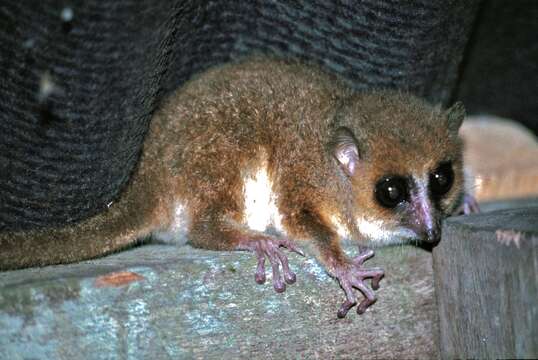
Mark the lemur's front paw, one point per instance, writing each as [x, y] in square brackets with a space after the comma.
[352, 275]
[270, 247]
[468, 206]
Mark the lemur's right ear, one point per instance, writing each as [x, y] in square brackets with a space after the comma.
[345, 150]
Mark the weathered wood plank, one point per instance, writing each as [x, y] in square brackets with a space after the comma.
[486, 279]
[201, 304]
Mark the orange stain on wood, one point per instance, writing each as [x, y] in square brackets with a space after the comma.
[117, 279]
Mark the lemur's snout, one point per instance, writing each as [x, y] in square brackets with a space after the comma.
[425, 222]
[432, 236]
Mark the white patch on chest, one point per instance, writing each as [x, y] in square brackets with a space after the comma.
[261, 212]
[341, 230]
[177, 232]
[377, 232]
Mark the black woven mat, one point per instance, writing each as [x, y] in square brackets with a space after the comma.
[500, 72]
[79, 82]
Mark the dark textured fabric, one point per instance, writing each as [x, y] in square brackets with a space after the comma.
[500, 75]
[78, 85]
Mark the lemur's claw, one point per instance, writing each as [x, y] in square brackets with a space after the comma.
[270, 247]
[352, 275]
[468, 206]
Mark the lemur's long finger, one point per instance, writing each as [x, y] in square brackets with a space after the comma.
[292, 247]
[365, 290]
[362, 257]
[344, 308]
[350, 298]
[369, 297]
[259, 276]
[364, 304]
[289, 276]
[370, 273]
[376, 279]
[278, 284]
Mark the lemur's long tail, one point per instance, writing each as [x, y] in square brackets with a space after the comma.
[131, 218]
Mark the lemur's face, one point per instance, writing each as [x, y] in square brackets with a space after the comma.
[406, 170]
[409, 205]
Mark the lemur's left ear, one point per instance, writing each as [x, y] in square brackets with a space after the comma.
[345, 150]
[455, 115]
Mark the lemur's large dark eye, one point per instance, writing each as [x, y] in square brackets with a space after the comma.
[391, 191]
[441, 179]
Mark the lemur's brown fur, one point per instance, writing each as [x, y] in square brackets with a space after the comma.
[227, 121]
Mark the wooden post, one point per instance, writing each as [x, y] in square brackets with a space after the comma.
[486, 280]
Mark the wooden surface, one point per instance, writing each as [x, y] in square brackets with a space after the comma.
[486, 279]
[163, 302]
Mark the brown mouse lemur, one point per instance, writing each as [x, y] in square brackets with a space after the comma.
[266, 154]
